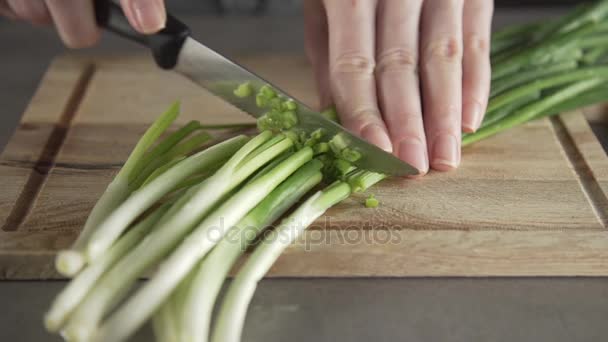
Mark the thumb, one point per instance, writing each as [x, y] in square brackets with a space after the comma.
[146, 16]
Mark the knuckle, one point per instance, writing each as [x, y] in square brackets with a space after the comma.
[355, 63]
[445, 115]
[411, 119]
[364, 116]
[477, 44]
[447, 49]
[399, 59]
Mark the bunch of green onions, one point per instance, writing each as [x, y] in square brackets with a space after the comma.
[188, 210]
[547, 68]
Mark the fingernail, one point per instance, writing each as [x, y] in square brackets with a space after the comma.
[446, 154]
[474, 120]
[377, 136]
[149, 15]
[413, 152]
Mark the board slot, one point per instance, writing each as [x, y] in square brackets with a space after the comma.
[45, 164]
[584, 173]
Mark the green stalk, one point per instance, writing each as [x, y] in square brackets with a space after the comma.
[531, 111]
[69, 262]
[234, 306]
[164, 324]
[65, 303]
[361, 180]
[588, 14]
[196, 314]
[178, 222]
[593, 41]
[159, 171]
[499, 46]
[165, 321]
[510, 81]
[511, 37]
[594, 54]
[546, 83]
[516, 31]
[509, 108]
[545, 32]
[132, 314]
[593, 96]
[543, 53]
[164, 146]
[182, 149]
[113, 226]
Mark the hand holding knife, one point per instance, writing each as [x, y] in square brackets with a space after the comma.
[174, 48]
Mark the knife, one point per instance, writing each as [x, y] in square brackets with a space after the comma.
[173, 48]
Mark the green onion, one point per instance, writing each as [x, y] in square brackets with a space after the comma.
[331, 114]
[532, 110]
[70, 297]
[234, 306]
[243, 90]
[510, 81]
[111, 228]
[179, 220]
[350, 155]
[338, 143]
[70, 261]
[546, 83]
[371, 202]
[361, 180]
[267, 92]
[131, 315]
[205, 287]
[261, 101]
[289, 105]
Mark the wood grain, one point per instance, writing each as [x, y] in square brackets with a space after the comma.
[530, 201]
[30, 154]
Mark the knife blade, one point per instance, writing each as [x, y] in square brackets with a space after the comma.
[174, 48]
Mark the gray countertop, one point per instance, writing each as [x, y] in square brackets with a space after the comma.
[380, 309]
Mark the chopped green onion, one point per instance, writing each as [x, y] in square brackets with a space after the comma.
[350, 155]
[290, 105]
[261, 101]
[371, 202]
[361, 180]
[338, 143]
[275, 104]
[243, 90]
[317, 134]
[267, 92]
[320, 148]
[342, 167]
[331, 114]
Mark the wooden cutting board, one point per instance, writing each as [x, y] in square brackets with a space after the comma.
[531, 201]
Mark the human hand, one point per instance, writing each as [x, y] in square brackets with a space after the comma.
[407, 75]
[75, 19]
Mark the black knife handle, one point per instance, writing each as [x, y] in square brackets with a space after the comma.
[165, 44]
